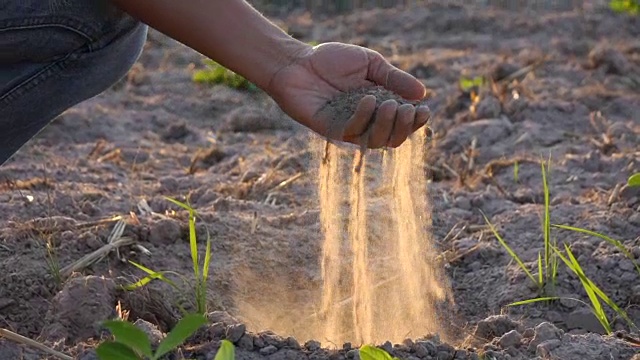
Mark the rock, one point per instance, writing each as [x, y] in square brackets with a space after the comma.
[425, 347]
[584, 319]
[271, 338]
[351, 354]
[234, 332]
[222, 317]
[77, 311]
[165, 232]
[495, 326]
[292, 343]
[444, 355]
[387, 346]
[268, 350]
[626, 265]
[153, 333]
[635, 295]
[246, 342]
[546, 347]
[544, 332]
[312, 345]
[217, 330]
[510, 339]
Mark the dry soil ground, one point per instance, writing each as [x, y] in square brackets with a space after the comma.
[158, 134]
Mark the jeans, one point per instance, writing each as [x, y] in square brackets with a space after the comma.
[55, 54]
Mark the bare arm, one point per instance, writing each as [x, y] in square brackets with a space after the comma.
[231, 32]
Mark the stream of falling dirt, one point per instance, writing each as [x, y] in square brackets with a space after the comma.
[394, 286]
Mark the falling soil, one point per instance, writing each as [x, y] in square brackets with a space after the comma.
[252, 174]
[394, 284]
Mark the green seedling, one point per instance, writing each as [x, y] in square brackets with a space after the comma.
[369, 352]
[200, 276]
[623, 249]
[631, 7]
[214, 73]
[131, 343]
[466, 84]
[516, 172]
[547, 263]
[593, 291]
[634, 180]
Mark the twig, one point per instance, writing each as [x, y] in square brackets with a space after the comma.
[24, 340]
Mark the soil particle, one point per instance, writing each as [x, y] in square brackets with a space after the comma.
[78, 309]
[235, 332]
[512, 338]
[246, 342]
[495, 326]
[544, 332]
[486, 131]
[151, 304]
[489, 107]
[312, 345]
[268, 350]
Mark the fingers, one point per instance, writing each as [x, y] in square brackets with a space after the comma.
[381, 72]
[423, 115]
[391, 125]
[361, 118]
[404, 125]
[383, 126]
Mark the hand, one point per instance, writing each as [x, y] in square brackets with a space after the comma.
[303, 87]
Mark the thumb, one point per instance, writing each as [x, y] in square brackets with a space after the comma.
[382, 73]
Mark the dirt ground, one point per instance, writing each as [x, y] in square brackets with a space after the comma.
[156, 133]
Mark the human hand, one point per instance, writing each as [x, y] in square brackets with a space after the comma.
[304, 87]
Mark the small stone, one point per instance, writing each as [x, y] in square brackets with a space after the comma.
[217, 330]
[443, 355]
[259, 342]
[292, 343]
[428, 346]
[352, 353]
[510, 339]
[635, 295]
[568, 301]
[489, 107]
[246, 342]
[272, 339]
[543, 332]
[445, 347]
[408, 343]
[545, 348]
[495, 326]
[234, 332]
[222, 317]
[346, 346]
[387, 346]
[312, 345]
[268, 350]
[626, 265]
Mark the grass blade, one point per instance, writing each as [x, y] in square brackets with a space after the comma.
[183, 329]
[531, 301]
[573, 264]
[226, 351]
[110, 350]
[546, 225]
[129, 335]
[623, 249]
[152, 275]
[540, 269]
[509, 250]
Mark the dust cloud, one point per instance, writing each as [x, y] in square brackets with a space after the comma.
[378, 279]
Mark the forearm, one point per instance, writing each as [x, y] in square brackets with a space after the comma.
[229, 31]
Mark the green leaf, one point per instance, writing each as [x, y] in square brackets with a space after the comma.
[128, 334]
[110, 350]
[183, 329]
[152, 276]
[226, 351]
[634, 180]
[619, 245]
[531, 301]
[368, 352]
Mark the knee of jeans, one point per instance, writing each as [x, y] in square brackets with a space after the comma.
[43, 31]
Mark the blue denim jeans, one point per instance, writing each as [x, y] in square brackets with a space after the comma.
[55, 54]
